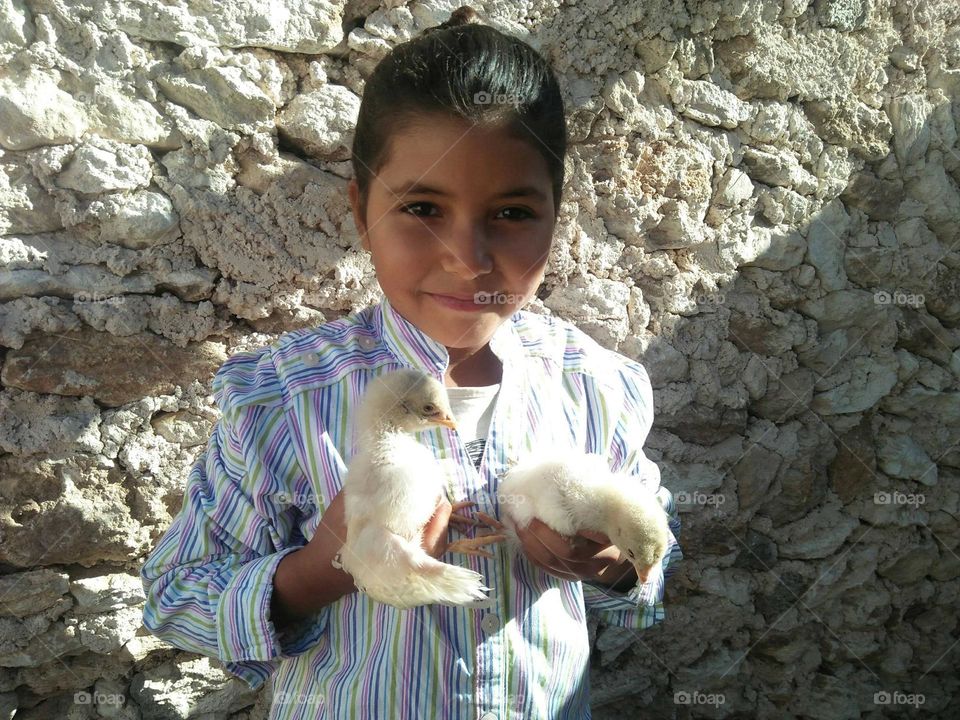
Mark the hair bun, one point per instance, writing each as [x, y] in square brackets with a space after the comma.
[463, 15]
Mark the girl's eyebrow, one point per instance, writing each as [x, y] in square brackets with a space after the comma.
[413, 187]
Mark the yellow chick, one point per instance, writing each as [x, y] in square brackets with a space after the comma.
[391, 490]
[571, 491]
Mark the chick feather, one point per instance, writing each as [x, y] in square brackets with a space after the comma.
[391, 490]
[570, 491]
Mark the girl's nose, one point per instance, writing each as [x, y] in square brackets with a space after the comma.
[466, 252]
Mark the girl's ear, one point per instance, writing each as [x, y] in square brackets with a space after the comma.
[359, 220]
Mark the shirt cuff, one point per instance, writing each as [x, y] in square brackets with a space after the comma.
[245, 630]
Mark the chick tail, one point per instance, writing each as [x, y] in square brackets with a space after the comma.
[398, 572]
[435, 582]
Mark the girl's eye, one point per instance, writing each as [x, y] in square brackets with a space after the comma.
[519, 213]
[424, 209]
[418, 208]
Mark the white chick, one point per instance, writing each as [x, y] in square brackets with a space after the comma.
[391, 490]
[571, 491]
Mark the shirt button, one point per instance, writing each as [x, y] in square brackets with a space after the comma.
[490, 624]
[311, 359]
[367, 342]
[488, 716]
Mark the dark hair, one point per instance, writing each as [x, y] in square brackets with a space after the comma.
[456, 69]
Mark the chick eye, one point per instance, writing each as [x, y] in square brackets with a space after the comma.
[630, 554]
[429, 408]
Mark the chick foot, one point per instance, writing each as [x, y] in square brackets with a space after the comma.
[475, 545]
[462, 519]
[490, 521]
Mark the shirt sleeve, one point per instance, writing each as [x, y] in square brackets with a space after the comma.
[642, 605]
[209, 581]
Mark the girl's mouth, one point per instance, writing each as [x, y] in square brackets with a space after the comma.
[474, 303]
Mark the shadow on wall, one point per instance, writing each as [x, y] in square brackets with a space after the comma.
[808, 423]
[781, 256]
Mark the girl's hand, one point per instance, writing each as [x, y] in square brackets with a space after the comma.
[435, 531]
[326, 542]
[586, 556]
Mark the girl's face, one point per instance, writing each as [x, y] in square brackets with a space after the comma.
[458, 212]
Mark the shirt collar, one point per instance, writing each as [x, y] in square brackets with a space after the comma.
[414, 348]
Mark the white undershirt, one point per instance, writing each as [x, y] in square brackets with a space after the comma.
[472, 410]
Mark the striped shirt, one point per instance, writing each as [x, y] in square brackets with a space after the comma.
[278, 455]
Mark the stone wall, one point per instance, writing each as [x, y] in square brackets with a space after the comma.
[762, 206]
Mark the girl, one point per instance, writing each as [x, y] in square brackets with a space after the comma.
[458, 160]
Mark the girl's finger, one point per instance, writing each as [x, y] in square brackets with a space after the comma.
[597, 537]
[554, 542]
[435, 531]
[572, 550]
[542, 554]
[553, 570]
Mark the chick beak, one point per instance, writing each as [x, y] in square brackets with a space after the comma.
[643, 573]
[441, 418]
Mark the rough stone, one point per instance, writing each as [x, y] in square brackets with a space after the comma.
[863, 129]
[922, 334]
[28, 593]
[104, 593]
[596, 305]
[900, 456]
[187, 689]
[99, 365]
[870, 381]
[103, 165]
[106, 633]
[140, 220]
[818, 535]
[910, 566]
[786, 396]
[32, 423]
[25, 206]
[222, 95]
[777, 248]
[321, 122]
[34, 111]
[852, 469]
[705, 103]
[777, 168]
[845, 15]
[825, 245]
[911, 129]
[297, 27]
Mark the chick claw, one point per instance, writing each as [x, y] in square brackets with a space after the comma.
[473, 546]
[490, 521]
[462, 519]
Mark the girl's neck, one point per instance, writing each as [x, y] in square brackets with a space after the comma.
[472, 368]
